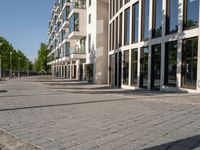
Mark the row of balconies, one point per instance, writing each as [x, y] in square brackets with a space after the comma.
[69, 26]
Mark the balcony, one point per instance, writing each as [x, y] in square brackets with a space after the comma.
[77, 21]
[77, 53]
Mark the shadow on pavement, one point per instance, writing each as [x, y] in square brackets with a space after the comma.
[64, 104]
[183, 144]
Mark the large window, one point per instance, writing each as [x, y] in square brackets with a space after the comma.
[89, 43]
[172, 16]
[189, 63]
[170, 63]
[134, 63]
[120, 30]
[126, 67]
[116, 36]
[155, 66]
[157, 18]
[135, 22]
[74, 23]
[191, 13]
[145, 19]
[127, 27]
[144, 67]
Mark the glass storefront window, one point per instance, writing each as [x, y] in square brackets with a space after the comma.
[191, 13]
[170, 63]
[126, 67]
[135, 22]
[127, 27]
[134, 63]
[145, 19]
[189, 63]
[157, 18]
[144, 67]
[172, 16]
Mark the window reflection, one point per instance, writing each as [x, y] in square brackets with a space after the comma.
[170, 63]
[157, 18]
[189, 63]
[126, 67]
[191, 14]
[172, 16]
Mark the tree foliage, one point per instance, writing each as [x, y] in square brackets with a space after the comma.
[41, 60]
[19, 60]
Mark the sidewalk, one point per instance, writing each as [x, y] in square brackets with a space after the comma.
[10, 142]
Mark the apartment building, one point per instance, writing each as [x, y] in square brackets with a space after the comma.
[78, 40]
[154, 44]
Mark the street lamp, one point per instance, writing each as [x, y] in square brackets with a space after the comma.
[0, 63]
[10, 64]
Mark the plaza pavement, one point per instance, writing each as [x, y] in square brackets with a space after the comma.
[47, 113]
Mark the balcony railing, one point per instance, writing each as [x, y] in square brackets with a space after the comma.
[78, 5]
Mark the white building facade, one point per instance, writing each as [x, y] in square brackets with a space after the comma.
[154, 44]
[75, 42]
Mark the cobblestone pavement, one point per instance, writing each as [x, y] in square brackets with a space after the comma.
[58, 120]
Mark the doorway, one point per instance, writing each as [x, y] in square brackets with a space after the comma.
[155, 67]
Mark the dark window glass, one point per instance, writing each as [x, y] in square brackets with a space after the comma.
[113, 7]
[127, 27]
[170, 63]
[89, 2]
[145, 19]
[134, 63]
[189, 63]
[74, 23]
[113, 35]
[126, 67]
[144, 67]
[172, 16]
[89, 43]
[191, 13]
[116, 31]
[135, 23]
[120, 30]
[155, 66]
[89, 18]
[126, 1]
[157, 18]
[121, 3]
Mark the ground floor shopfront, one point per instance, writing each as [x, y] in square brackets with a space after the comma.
[68, 69]
[168, 65]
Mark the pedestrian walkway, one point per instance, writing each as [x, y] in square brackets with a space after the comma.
[33, 111]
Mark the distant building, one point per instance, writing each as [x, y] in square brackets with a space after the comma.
[78, 32]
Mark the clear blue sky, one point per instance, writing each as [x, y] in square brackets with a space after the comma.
[24, 23]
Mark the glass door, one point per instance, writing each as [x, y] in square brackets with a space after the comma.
[155, 67]
[189, 63]
[144, 67]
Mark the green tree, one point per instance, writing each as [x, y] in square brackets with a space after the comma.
[19, 60]
[41, 60]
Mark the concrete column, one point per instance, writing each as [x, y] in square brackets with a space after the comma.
[179, 48]
[162, 73]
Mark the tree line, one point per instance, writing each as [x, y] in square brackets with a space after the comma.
[18, 62]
